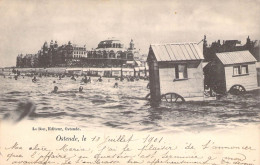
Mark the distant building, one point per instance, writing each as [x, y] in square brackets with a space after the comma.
[143, 60]
[52, 52]
[254, 48]
[79, 51]
[111, 53]
[45, 57]
[209, 51]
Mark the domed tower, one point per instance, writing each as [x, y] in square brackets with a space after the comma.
[51, 54]
[110, 43]
[51, 44]
[69, 48]
[45, 47]
[131, 45]
[55, 45]
[248, 43]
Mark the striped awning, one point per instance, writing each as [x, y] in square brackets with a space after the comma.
[236, 57]
[177, 52]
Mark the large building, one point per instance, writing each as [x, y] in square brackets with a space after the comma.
[79, 51]
[109, 53]
[52, 56]
[112, 53]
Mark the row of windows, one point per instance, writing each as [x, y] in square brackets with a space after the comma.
[82, 49]
[181, 71]
[77, 56]
[240, 70]
[114, 45]
[79, 52]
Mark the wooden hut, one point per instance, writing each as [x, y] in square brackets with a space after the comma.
[93, 72]
[85, 71]
[76, 71]
[127, 72]
[96, 72]
[175, 72]
[107, 72]
[232, 71]
[142, 71]
[136, 72]
[115, 72]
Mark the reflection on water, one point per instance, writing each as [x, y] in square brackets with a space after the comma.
[102, 105]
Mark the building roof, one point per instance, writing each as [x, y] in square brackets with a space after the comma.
[177, 52]
[109, 49]
[236, 57]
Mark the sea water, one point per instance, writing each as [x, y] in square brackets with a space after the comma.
[100, 105]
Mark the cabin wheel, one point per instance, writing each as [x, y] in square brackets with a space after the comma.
[172, 98]
[237, 89]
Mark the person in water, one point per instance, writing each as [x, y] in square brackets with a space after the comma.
[116, 85]
[73, 78]
[100, 79]
[85, 79]
[80, 89]
[55, 90]
[34, 79]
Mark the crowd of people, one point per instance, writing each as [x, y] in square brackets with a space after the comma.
[28, 107]
[85, 79]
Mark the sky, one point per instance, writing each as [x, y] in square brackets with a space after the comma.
[26, 25]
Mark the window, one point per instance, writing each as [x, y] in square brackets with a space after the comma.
[244, 69]
[181, 72]
[240, 70]
[236, 70]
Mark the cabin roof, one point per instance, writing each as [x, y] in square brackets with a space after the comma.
[236, 57]
[177, 52]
